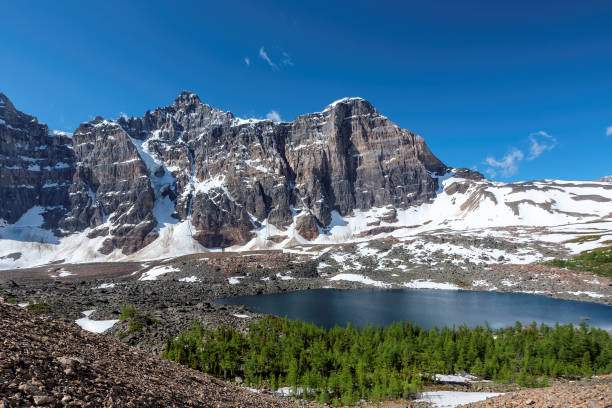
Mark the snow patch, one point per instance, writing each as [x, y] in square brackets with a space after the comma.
[156, 271]
[591, 294]
[106, 286]
[428, 284]
[190, 279]
[451, 399]
[95, 326]
[234, 280]
[352, 277]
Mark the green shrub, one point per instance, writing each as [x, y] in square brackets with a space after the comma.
[127, 312]
[134, 326]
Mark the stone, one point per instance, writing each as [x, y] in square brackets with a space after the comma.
[43, 399]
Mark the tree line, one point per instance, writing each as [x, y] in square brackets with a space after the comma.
[345, 364]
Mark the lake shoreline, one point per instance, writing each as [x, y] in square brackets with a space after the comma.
[191, 288]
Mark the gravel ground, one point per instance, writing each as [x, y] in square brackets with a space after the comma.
[45, 362]
[591, 393]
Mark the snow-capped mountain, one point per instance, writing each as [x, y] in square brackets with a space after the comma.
[607, 179]
[189, 178]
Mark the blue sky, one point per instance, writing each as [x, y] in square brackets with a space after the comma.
[519, 89]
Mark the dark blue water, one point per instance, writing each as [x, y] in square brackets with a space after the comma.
[428, 308]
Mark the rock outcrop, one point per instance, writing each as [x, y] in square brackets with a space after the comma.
[225, 176]
[36, 168]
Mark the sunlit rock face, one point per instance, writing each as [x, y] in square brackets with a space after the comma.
[36, 167]
[124, 179]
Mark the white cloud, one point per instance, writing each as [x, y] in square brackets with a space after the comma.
[274, 116]
[540, 142]
[508, 165]
[264, 56]
[247, 61]
[287, 59]
[609, 131]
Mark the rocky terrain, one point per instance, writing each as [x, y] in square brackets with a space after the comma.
[45, 362]
[176, 291]
[591, 393]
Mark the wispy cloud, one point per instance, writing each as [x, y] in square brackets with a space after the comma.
[609, 131]
[264, 56]
[287, 59]
[540, 142]
[274, 116]
[508, 165]
[247, 61]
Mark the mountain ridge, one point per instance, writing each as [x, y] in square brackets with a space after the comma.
[225, 173]
[190, 178]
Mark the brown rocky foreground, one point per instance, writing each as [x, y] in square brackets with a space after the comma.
[45, 362]
[591, 393]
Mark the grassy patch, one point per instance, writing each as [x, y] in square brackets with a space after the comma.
[598, 261]
[459, 282]
[12, 300]
[39, 307]
[136, 321]
[582, 239]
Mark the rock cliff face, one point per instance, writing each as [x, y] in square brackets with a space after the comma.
[36, 167]
[224, 175]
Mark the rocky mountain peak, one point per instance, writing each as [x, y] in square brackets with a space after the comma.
[354, 102]
[223, 177]
[186, 98]
[5, 103]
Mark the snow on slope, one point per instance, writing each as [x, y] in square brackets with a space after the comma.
[481, 207]
[576, 214]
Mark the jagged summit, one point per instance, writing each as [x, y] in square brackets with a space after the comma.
[355, 100]
[5, 102]
[218, 176]
[187, 98]
[606, 179]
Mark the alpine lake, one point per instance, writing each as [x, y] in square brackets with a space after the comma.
[427, 308]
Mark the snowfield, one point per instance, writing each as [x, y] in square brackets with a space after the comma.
[574, 215]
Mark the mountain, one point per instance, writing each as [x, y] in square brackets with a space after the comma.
[607, 179]
[188, 177]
